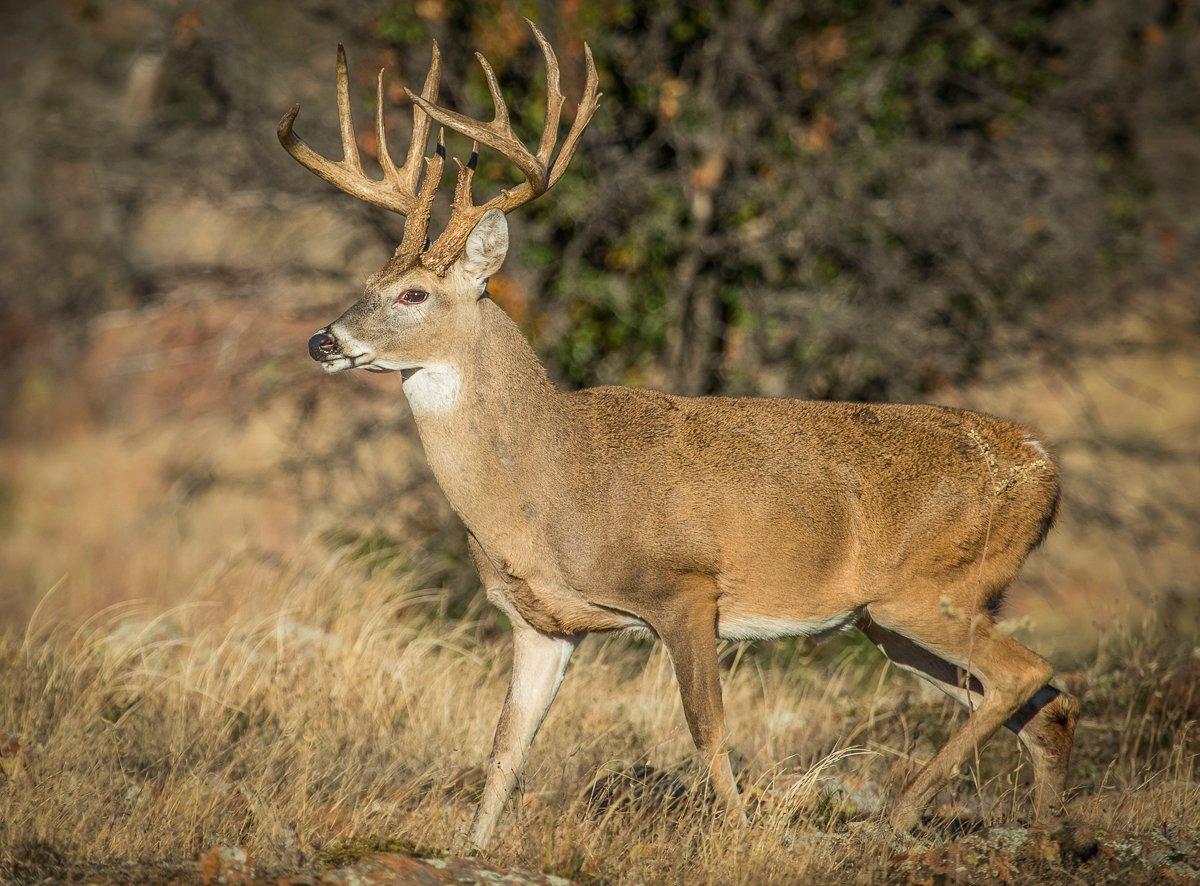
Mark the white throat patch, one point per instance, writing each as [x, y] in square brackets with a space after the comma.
[433, 388]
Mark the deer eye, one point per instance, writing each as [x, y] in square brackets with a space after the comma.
[412, 297]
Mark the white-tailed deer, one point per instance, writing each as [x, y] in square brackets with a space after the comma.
[697, 519]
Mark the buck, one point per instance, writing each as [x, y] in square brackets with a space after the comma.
[696, 519]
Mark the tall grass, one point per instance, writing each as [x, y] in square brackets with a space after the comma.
[329, 712]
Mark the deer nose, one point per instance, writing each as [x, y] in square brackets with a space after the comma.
[322, 345]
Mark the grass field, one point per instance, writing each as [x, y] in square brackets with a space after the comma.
[223, 625]
[328, 715]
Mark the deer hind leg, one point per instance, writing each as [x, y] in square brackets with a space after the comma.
[689, 631]
[1045, 724]
[1007, 676]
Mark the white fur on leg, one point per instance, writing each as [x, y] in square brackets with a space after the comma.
[539, 663]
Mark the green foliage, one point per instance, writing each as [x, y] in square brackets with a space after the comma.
[373, 550]
[839, 199]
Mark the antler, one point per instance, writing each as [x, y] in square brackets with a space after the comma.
[540, 174]
[403, 189]
[398, 190]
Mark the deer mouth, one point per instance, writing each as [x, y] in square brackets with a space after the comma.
[365, 360]
[341, 362]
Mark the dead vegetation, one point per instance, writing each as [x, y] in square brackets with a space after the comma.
[331, 715]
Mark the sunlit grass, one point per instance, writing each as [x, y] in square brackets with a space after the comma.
[330, 713]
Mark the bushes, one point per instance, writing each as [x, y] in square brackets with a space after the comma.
[838, 199]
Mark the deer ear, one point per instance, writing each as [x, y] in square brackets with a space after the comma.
[486, 246]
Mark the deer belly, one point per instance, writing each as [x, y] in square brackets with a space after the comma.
[768, 627]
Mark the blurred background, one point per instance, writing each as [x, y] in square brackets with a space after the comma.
[989, 205]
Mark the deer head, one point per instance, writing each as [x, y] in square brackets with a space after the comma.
[423, 305]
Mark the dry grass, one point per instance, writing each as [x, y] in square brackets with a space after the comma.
[329, 710]
[311, 699]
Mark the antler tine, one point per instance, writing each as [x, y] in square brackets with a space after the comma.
[498, 134]
[416, 226]
[398, 191]
[500, 115]
[554, 97]
[588, 102]
[501, 138]
[411, 170]
[350, 157]
[390, 173]
[407, 176]
[465, 175]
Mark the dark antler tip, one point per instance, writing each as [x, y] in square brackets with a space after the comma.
[441, 150]
[474, 161]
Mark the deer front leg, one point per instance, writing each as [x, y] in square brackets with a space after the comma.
[539, 663]
[689, 632]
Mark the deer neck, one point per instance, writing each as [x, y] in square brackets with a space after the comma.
[494, 432]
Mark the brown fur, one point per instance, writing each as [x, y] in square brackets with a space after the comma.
[594, 500]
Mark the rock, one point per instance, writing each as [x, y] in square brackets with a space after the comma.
[226, 864]
[852, 797]
[143, 87]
